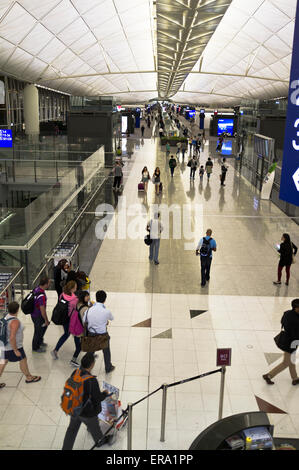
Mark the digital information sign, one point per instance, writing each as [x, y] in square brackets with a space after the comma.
[226, 125]
[289, 184]
[227, 148]
[5, 138]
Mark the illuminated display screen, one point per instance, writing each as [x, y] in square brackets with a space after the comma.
[5, 138]
[226, 125]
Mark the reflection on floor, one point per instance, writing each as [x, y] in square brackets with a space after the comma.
[167, 328]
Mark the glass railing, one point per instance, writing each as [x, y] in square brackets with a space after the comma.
[19, 226]
[35, 171]
[50, 148]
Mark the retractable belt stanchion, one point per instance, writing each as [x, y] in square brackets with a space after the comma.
[221, 399]
[163, 414]
[130, 422]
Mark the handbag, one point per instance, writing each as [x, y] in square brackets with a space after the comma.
[147, 240]
[91, 342]
[282, 341]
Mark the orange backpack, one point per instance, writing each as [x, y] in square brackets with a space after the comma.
[72, 397]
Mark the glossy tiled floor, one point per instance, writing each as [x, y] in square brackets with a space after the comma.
[242, 310]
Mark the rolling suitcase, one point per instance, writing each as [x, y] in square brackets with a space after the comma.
[160, 188]
[141, 187]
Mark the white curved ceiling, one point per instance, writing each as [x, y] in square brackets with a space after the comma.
[109, 47]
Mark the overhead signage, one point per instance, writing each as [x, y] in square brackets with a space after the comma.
[5, 138]
[289, 184]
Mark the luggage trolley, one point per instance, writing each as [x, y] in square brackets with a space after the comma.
[111, 412]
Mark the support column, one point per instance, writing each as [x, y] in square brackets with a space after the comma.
[31, 110]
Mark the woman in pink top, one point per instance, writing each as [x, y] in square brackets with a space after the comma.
[69, 295]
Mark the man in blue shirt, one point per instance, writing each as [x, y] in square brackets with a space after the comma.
[205, 249]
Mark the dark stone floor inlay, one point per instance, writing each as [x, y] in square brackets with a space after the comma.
[144, 324]
[195, 313]
[164, 335]
[267, 407]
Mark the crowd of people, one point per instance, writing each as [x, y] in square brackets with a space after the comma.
[70, 287]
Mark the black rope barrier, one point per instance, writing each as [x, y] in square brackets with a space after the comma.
[193, 378]
[180, 382]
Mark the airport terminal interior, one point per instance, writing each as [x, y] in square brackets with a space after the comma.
[95, 90]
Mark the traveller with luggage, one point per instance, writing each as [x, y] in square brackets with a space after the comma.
[155, 228]
[157, 180]
[205, 249]
[201, 173]
[11, 343]
[287, 250]
[193, 166]
[81, 400]
[39, 315]
[172, 165]
[118, 175]
[97, 319]
[145, 177]
[184, 149]
[65, 313]
[60, 274]
[223, 172]
[209, 167]
[167, 149]
[287, 341]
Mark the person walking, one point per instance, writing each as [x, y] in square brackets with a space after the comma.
[142, 130]
[98, 317]
[193, 167]
[223, 172]
[118, 174]
[289, 344]
[91, 405]
[145, 177]
[190, 145]
[184, 149]
[155, 228]
[172, 164]
[198, 145]
[157, 180]
[83, 304]
[179, 146]
[60, 274]
[167, 149]
[209, 168]
[69, 295]
[39, 315]
[201, 173]
[13, 350]
[205, 249]
[287, 251]
[220, 143]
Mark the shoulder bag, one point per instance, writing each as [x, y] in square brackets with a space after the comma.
[282, 341]
[91, 342]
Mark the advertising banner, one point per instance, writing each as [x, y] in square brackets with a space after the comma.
[289, 185]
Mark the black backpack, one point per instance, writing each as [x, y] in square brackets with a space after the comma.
[60, 315]
[206, 248]
[27, 305]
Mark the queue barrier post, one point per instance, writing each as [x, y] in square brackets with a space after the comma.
[130, 423]
[221, 399]
[163, 414]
